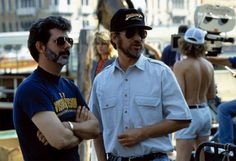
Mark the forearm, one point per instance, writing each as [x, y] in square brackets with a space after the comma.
[99, 148]
[157, 55]
[131, 137]
[71, 140]
[67, 140]
[164, 128]
[86, 130]
[86, 125]
[54, 132]
[219, 61]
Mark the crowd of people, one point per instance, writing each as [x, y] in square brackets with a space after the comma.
[136, 102]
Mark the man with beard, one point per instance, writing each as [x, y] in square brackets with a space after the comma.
[50, 115]
[136, 99]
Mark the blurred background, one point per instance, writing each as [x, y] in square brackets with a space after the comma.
[88, 16]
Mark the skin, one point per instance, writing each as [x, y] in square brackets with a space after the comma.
[86, 125]
[224, 61]
[196, 79]
[199, 71]
[219, 60]
[102, 49]
[129, 51]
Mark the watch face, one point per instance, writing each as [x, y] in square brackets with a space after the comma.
[71, 125]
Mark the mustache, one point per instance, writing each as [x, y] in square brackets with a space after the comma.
[137, 43]
[64, 53]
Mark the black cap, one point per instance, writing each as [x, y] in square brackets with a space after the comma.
[182, 29]
[127, 18]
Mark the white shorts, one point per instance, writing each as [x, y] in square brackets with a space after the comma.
[199, 126]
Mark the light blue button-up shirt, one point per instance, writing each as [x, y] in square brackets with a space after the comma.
[145, 94]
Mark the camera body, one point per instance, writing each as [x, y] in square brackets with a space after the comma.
[215, 19]
[174, 41]
[175, 37]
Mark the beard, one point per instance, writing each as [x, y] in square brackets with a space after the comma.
[128, 51]
[61, 58]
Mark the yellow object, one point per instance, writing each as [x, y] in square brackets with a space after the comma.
[9, 146]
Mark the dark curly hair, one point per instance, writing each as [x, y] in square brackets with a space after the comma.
[192, 50]
[39, 31]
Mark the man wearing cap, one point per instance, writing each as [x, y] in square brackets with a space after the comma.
[137, 100]
[170, 54]
[196, 78]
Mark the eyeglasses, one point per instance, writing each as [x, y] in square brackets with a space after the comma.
[63, 39]
[129, 33]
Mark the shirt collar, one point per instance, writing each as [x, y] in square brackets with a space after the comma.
[140, 64]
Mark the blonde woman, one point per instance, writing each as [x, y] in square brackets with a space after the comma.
[103, 53]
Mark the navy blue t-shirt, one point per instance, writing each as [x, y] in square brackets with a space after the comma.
[42, 91]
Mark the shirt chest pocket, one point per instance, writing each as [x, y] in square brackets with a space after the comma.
[147, 101]
[109, 112]
[149, 108]
[109, 103]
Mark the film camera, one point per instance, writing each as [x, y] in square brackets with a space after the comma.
[215, 20]
[175, 37]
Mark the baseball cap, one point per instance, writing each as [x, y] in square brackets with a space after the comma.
[195, 36]
[182, 29]
[128, 18]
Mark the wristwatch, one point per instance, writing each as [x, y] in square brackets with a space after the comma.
[71, 125]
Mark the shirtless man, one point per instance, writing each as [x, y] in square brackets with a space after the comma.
[196, 78]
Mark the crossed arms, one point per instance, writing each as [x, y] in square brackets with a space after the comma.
[59, 134]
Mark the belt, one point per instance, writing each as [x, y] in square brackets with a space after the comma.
[147, 157]
[196, 106]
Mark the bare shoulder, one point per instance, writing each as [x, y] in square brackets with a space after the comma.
[183, 64]
[207, 63]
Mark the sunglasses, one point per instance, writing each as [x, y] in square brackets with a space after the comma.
[60, 41]
[129, 33]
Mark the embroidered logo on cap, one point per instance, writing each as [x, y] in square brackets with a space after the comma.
[134, 16]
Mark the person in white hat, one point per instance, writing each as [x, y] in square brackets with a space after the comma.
[196, 78]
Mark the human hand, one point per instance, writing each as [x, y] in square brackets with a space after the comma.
[82, 114]
[42, 138]
[130, 137]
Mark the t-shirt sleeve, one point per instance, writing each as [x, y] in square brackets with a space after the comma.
[33, 97]
[233, 61]
[80, 97]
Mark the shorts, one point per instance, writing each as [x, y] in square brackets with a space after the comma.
[199, 126]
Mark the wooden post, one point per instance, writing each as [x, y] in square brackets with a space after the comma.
[84, 61]
[84, 81]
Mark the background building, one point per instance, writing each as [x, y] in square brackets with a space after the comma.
[17, 15]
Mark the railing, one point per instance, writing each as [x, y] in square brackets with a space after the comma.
[9, 85]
